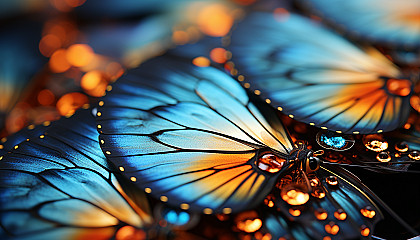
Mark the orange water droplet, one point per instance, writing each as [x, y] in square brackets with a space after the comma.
[365, 231]
[294, 212]
[368, 212]
[332, 180]
[340, 214]
[294, 194]
[383, 157]
[270, 163]
[321, 214]
[318, 192]
[332, 228]
[415, 155]
[401, 147]
[375, 142]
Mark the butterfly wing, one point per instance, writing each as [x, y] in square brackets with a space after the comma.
[316, 76]
[381, 21]
[8, 143]
[339, 207]
[189, 135]
[59, 186]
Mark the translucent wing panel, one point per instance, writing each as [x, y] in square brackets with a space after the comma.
[323, 79]
[60, 183]
[339, 206]
[189, 135]
[383, 21]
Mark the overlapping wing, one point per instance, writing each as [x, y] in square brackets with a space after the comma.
[318, 77]
[383, 21]
[339, 207]
[189, 135]
[59, 185]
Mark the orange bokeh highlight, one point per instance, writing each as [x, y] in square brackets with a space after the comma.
[91, 79]
[80, 55]
[218, 55]
[70, 102]
[48, 44]
[58, 61]
[94, 83]
[130, 233]
[45, 97]
[215, 20]
[180, 37]
[201, 61]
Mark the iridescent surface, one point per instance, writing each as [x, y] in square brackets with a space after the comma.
[58, 185]
[323, 80]
[380, 21]
[193, 142]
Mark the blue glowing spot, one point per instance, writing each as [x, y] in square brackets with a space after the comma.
[177, 218]
[335, 142]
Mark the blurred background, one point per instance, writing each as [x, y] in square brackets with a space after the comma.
[59, 55]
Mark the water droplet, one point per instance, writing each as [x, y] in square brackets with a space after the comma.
[318, 192]
[335, 141]
[294, 194]
[321, 214]
[401, 147]
[294, 212]
[270, 163]
[314, 182]
[176, 217]
[368, 212]
[332, 180]
[365, 231]
[383, 157]
[269, 200]
[332, 228]
[414, 155]
[375, 142]
[248, 222]
[340, 214]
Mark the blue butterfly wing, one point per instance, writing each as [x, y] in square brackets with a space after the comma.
[9, 142]
[316, 76]
[380, 21]
[189, 135]
[60, 186]
[341, 211]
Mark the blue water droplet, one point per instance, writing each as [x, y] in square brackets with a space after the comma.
[177, 218]
[335, 142]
